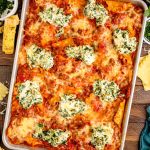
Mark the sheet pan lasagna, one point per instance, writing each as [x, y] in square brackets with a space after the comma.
[74, 74]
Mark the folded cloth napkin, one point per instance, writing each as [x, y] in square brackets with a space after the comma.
[145, 134]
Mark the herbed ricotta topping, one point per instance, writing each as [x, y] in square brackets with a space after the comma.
[38, 57]
[106, 90]
[55, 137]
[123, 43]
[101, 136]
[70, 106]
[84, 53]
[96, 11]
[55, 16]
[29, 94]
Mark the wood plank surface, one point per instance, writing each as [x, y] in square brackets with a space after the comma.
[140, 102]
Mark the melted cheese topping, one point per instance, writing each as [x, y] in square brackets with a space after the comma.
[81, 24]
[79, 34]
[24, 127]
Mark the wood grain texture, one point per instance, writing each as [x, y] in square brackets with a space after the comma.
[140, 102]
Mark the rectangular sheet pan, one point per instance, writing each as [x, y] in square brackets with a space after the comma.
[14, 72]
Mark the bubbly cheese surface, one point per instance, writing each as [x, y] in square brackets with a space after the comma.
[74, 73]
[24, 127]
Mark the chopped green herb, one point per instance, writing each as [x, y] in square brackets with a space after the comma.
[147, 12]
[29, 94]
[38, 57]
[123, 43]
[70, 106]
[55, 16]
[55, 137]
[84, 53]
[106, 90]
[96, 11]
[101, 136]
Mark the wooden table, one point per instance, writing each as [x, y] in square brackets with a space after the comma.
[140, 102]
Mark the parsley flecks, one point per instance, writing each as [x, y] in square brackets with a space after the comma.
[70, 106]
[39, 57]
[96, 11]
[55, 137]
[29, 94]
[55, 16]
[84, 53]
[101, 136]
[106, 90]
[124, 44]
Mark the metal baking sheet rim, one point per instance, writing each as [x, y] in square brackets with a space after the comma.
[13, 78]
